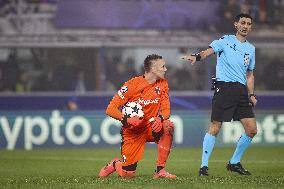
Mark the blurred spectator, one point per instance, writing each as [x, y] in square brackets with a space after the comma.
[172, 79]
[277, 12]
[274, 75]
[130, 66]
[64, 76]
[71, 104]
[118, 72]
[11, 72]
[262, 11]
[271, 12]
[46, 83]
[228, 10]
[245, 7]
[121, 75]
[80, 84]
[21, 85]
[2, 83]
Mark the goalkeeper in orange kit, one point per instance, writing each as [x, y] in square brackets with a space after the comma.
[151, 91]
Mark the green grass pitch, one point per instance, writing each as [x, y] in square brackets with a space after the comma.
[78, 168]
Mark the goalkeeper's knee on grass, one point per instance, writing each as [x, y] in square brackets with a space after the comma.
[165, 143]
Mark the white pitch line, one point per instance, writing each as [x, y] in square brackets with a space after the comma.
[104, 159]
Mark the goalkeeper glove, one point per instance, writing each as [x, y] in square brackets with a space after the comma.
[156, 124]
[131, 121]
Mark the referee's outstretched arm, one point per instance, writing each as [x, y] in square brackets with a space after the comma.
[198, 56]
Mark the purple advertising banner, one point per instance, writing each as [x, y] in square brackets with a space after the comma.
[135, 14]
[100, 102]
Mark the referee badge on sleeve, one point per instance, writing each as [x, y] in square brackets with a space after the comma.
[246, 59]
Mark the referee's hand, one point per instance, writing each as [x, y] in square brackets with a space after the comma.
[189, 58]
[253, 100]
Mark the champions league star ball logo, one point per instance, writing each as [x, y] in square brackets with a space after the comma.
[131, 109]
[246, 59]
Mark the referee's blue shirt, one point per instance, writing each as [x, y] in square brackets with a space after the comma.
[234, 59]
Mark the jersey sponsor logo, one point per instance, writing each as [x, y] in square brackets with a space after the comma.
[148, 101]
[121, 91]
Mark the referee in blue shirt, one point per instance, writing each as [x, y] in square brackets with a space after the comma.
[234, 96]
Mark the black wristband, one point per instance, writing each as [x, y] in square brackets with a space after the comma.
[250, 95]
[161, 117]
[124, 120]
[197, 55]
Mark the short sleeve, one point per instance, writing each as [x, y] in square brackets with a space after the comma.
[252, 62]
[217, 45]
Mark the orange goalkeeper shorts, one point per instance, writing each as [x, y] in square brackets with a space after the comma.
[133, 144]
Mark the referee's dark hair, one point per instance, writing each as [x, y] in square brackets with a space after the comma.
[148, 61]
[242, 15]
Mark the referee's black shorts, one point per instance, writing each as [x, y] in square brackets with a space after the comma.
[231, 101]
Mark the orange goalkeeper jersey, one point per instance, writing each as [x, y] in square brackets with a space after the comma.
[154, 98]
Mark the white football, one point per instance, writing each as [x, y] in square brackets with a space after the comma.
[131, 109]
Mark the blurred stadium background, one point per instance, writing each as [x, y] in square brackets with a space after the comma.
[62, 60]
